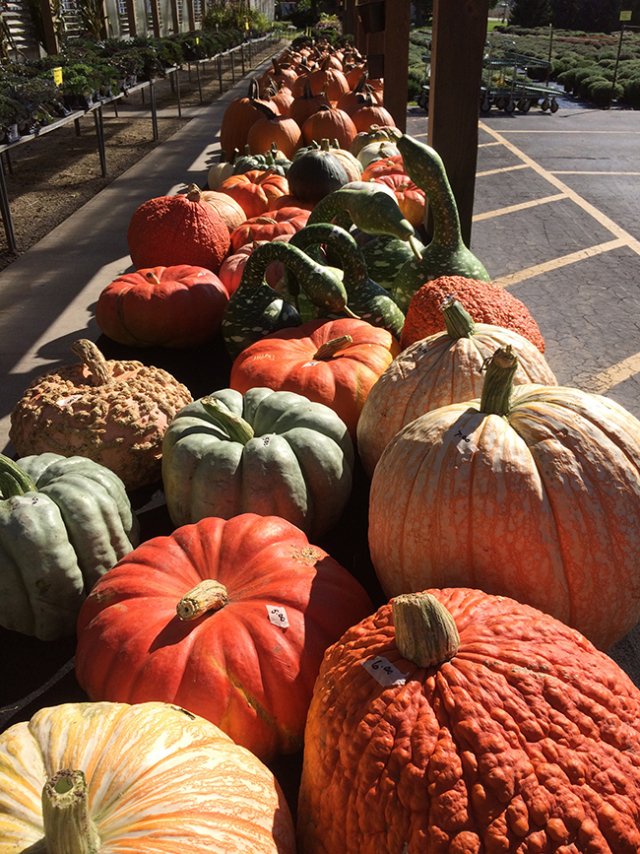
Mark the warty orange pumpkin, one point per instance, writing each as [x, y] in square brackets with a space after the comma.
[455, 722]
[531, 492]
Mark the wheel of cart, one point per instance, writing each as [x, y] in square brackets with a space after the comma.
[485, 103]
[509, 106]
[554, 106]
[524, 105]
[545, 105]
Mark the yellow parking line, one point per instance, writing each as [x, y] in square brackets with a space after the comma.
[584, 172]
[604, 381]
[556, 263]
[488, 144]
[522, 206]
[503, 169]
[581, 132]
[586, 206]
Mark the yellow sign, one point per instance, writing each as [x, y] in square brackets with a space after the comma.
[57, 75]
[625, 16]
[197, 39]
[246, 24]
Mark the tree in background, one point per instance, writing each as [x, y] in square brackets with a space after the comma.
[531, 13]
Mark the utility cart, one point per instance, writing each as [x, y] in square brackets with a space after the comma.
[508, 86]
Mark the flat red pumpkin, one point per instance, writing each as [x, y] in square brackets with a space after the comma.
[250, 662]
[179, 306]
[335, 362]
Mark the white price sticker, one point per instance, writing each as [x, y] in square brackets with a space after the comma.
[465, 445]
[278, 616]
[67, 401]
[383, 671]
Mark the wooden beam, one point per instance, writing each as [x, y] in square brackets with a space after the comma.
[155, 18]
[49, 28]
[131, 17]
[457, 48]
[349, 17]
[396, 51]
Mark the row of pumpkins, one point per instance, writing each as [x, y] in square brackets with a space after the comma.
[470, 713]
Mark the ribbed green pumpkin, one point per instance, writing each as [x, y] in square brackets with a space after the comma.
[266, 452]
[64, 521]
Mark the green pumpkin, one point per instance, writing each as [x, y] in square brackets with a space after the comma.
[64, 521]
[315, 174]
[274, 453]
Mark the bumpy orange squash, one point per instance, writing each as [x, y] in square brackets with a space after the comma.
[454, 722]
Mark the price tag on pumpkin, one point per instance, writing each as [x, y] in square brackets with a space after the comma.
[57, 75]
[278, 616]
[68, 401]
[383, 671]
[465, 445]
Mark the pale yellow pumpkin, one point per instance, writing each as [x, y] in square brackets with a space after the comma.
[150, 778]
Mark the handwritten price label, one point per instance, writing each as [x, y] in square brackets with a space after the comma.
[278, 616]
[68, 401]
[383, 671]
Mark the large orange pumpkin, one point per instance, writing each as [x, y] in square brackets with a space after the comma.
[329, 123]
[145, 779]
[229, 619]
[273, 129]
[180, 229]
[532, 492]
[162, 307]
[334, 362]
[269, 225]
[306, 104]
[455, 722]
[237, 120]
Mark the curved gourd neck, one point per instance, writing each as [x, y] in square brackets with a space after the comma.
[293, 259]
[334, 207]
[13, 480]
[351, 258]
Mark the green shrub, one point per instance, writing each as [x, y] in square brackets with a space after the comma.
[583, 74]
[601, 93]
[414, 85]
[567, 79]
[631, 92]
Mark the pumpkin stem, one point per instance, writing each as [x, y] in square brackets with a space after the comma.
[426, 633]
[327, 350]
[13, 480]
[498, 383]
[94, 361]
[459, 322]
[238, 429]
[208, 595]
[194, 193]
[151, 277]
[65, 813]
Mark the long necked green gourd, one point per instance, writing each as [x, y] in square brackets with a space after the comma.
[446, 254]
[366, 298]
[64, 521]
[255, 309]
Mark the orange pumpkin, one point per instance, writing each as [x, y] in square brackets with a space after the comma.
[331, 81]
[272, 129]
[454, 722]
[237, 119]
[329, 123]
[307, 103]
[532, 492]
[269, 225]
[368, 112]
[230, 273]
[333, 362]
[411, 199]
[255, 190]
[386, 166]
[227, 208]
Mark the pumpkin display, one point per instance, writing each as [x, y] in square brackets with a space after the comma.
[306, 104]
[268, 226]
[237, 119]
[486, 302]
[267, 452]
[233, 266]
[181, 229]
[272, 128]
[218, 172]
[368, 112]
[335, 362]
[444, 368]
[411, 199]
[374, 151]
[387, 166]
[315, 173]
[64, 521]
[455, 721]
[331, 123]
[150, 778]
[363, 138]
[255, 190]
[113, 411]
[344, 157]
[229, 619]
[329, 80]
[351, 100]
[162, 306]
[532, 492]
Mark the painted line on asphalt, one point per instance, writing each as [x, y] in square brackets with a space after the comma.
[556, 263]
[586, 206]
[581, 132]
[503, 169]
[604, 381]
[520, 207]
[488, 144]
[585, 172]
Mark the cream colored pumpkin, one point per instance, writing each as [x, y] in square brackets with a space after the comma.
[150, 778]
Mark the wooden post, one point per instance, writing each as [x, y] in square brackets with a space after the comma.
[457, 48]
[175, 21]
[191, 15]
[48, 27]
[131, 17]
[349, 17]
[396, 51]
[155, 18]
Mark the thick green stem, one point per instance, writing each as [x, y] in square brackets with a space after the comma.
[68, 827]
[208, 595]
[13, 480]
[426, 633]
[234, 425]
[459, 322]
[498, 382]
